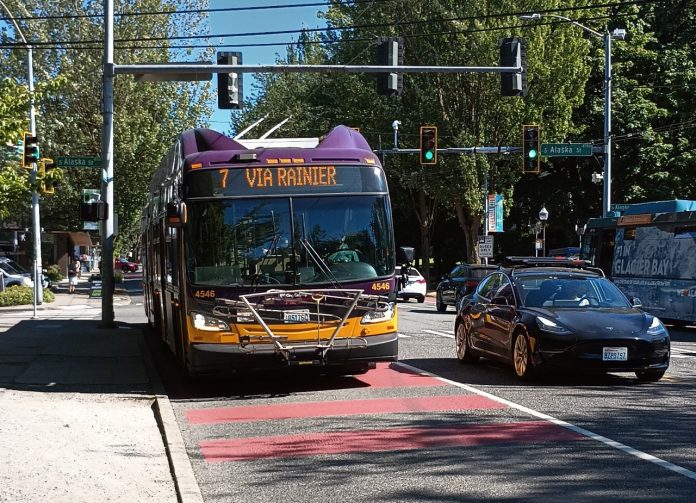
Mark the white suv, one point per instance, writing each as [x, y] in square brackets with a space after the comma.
[14, 274]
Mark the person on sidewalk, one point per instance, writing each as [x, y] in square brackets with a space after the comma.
[73, 270]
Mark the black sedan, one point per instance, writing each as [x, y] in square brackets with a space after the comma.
[535, 317]
[461, 281]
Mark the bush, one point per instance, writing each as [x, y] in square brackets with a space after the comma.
[19, 295]
[118, 276]
[54, 274]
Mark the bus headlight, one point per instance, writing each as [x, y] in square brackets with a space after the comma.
[208, 323]
[379, 316]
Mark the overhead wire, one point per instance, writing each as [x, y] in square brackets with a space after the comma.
[367, 26]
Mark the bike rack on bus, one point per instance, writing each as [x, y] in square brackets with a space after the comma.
[279, 306]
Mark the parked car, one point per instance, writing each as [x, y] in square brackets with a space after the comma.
[125, 265]
[14, 274]
[459, 282]
[415, 286]
[559, 314]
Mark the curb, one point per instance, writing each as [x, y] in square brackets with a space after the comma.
[187, 489]
[185, 484]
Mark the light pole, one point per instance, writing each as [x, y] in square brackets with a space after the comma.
[543, 217]
[618, 34]
[36, 219]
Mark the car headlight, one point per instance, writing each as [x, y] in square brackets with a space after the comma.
[656, 327]
[378, 316]
[208, 323]
[552, 327]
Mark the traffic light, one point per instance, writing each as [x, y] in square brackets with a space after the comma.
[93, 211]
[513, 52]
[230, 84]
[49, 176]
[428, 145]
[390, 52]
[530, 149]
[31, 150]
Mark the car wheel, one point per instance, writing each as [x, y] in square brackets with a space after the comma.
[421, 299]
[522, 357]
[125, 268]
[649, 375]
[461, 339]
[441, 306]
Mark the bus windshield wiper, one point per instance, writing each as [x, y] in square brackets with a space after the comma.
[317, 258]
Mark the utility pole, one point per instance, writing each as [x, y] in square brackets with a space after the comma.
[107, 185]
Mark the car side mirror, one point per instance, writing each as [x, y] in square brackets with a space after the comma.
[635, 302]
[499, 301]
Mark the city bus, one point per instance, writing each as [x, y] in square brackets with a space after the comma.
[263, 254]
[649, 251]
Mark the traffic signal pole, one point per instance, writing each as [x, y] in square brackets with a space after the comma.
[198, 71]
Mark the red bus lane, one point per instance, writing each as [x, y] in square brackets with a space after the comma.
[445, 408]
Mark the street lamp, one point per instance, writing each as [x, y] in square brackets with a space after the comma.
[543, 217]
[36, 219]
[619, 34]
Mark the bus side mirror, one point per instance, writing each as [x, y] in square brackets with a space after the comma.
[635, 302]
[176, 214]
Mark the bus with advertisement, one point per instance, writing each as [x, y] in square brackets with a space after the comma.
[261, 254]
[649, 251]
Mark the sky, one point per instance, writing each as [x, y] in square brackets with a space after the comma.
[289, 18]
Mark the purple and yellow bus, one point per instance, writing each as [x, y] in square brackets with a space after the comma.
[271, 256]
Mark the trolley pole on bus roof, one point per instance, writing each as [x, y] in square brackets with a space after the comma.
[106, 268]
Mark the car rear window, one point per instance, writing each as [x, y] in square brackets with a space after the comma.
[479, 273]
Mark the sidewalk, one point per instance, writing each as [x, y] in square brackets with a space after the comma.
[83, 417]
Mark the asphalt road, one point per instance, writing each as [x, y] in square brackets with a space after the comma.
[432, 429]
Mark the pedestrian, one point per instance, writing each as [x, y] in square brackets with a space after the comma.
[73, 270]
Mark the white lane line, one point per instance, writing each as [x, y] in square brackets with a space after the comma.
[577, 429]
[403, 336]
[441, 334]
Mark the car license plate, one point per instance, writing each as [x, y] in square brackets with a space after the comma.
[614, 354]
[296, 316]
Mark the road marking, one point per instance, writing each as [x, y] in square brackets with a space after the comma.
[682, 352]
[577, 429]
[403, 336]
[441, 334]
[389, 375]
[279, 411]
[389, 439]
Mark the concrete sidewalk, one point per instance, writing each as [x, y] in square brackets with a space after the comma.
[83, 417]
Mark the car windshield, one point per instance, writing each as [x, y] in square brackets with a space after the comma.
[12, 267]
[298, 240]
[566, 291]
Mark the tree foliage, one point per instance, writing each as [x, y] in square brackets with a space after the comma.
[147, 117]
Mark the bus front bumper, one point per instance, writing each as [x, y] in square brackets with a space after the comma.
[212, 358]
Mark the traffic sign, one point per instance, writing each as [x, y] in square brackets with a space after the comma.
[78, 162]
[566, 149]
[485, 246]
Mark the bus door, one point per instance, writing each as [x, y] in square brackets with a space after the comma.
[172, 292]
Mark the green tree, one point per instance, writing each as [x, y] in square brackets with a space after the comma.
[467, 108]
[148, 116]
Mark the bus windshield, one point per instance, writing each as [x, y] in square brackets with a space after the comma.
[288, 240]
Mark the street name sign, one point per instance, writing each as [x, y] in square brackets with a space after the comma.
[566, 149]
[78, 162]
